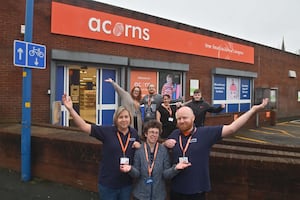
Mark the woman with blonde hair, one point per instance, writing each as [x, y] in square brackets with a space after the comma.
[119, 142]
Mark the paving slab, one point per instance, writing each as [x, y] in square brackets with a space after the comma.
[13, 188]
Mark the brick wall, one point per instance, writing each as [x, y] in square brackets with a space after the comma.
[243, 177]
[64, 156]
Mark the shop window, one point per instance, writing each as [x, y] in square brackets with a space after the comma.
[170, 83]
[166, 82]
[235, 92]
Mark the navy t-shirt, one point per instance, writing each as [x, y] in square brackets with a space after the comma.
[109, 169]
[194, 179]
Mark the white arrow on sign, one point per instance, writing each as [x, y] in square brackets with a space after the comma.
[20, 52]
[36, 62]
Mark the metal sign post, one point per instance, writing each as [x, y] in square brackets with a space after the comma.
[26, 101]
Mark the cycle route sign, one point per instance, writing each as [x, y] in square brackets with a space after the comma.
[30, 55]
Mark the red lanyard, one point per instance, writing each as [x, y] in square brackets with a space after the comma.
[187, 143]
[170, 111]
[149, 100]
[121, 143]
[150, 167]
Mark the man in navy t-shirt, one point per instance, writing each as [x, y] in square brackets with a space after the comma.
[193, 144]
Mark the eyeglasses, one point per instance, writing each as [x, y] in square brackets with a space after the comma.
[153, 132]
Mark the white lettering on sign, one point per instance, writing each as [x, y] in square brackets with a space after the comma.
[118, 29]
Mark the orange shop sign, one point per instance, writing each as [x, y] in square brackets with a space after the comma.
[86, 23]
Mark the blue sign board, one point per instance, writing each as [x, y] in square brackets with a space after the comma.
[30, 55]
[245, 89]
[219, 88]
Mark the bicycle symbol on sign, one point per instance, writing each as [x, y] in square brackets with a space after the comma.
[37, 52]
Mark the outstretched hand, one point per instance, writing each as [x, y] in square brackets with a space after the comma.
[67, 101]
[108, 80]
[136, 145]
[125, 168]
[170, 143]
[182, 165]
[261, 106]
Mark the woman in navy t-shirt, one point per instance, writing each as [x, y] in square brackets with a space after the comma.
[119, 144]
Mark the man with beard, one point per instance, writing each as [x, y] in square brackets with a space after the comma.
[192, 144]
[151, 102]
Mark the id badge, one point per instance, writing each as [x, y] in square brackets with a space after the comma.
[183, 159]
[170, 119]
[124, 161]
[149, 181]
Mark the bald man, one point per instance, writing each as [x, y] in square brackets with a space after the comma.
[192, 144]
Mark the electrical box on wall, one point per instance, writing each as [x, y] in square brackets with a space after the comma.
[292, 74]
[22, 29]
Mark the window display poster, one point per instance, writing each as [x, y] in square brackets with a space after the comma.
[232, 88]
[245, 89]
[143, 79]
[169, 83]
[219, 88]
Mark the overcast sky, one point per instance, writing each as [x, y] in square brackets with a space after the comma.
[266, 22]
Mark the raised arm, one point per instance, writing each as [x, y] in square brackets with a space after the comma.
[217, 109]
[239, 122]
[118, 89]
[80, 123]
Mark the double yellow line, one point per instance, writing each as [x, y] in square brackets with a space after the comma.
[267, 132]
[250, 139]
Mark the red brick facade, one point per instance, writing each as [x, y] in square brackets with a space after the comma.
[271, 65]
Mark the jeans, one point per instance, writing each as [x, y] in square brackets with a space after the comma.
[106, 193]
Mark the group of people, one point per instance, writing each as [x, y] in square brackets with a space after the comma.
[130, 153]
[159, 107]
[155, 106]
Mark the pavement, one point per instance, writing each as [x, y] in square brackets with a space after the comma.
[285, 133]
[12, 188]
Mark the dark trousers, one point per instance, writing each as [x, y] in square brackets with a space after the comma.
[178, 196]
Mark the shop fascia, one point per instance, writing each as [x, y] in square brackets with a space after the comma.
[118, 29]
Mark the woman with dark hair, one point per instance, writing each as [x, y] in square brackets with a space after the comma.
[118, 146]
[152, 165]
[131, 101]
[166, 115]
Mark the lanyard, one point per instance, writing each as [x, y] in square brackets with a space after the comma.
[150, 167]
[149, 100]
[187, 143]
[169, 109]
[121, 143]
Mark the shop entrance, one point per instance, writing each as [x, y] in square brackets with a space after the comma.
[93, 98]
[82, 87]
